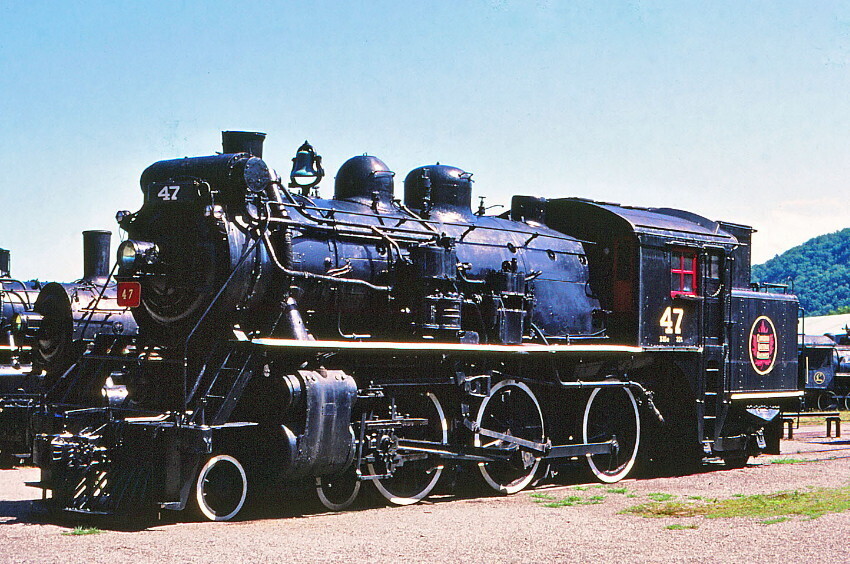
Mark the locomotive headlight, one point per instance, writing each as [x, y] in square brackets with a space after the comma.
[26, 324]
[135, 255]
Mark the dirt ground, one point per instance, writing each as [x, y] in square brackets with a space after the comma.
[484, 529]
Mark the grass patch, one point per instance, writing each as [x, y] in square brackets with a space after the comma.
[550, 501]
[580, 488]
[787, 461]
[660, 496]
[80, 530]
[775, 520]
[679, 527]
[810, 504]
[695, 497]
[665, 509]
[617, 490]
[568, 501]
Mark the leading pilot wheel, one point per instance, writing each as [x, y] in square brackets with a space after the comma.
[221, 488]
[418, 473]
[612, 413]
[510, 409]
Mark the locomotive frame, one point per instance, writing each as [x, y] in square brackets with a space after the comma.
[285, 338]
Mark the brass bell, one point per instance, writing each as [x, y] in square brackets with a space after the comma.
[307, 169]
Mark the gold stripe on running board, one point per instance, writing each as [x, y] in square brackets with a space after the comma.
[437, 347]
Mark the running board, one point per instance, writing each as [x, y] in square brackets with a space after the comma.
[438, 347]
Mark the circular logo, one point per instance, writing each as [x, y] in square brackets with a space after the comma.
[819, 377]
[763, 345]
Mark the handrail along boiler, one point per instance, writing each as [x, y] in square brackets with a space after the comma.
[365, 339]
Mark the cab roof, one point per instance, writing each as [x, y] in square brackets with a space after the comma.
[585, 216]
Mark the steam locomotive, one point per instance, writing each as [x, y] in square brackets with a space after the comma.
[286, 338]
[824, 363]
[46, 327]
[18, 386]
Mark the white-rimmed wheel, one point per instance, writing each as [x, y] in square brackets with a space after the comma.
[221, 488]
[419, 473]
[827, 401]
[612, 413]
[510, 409]
[339, 491]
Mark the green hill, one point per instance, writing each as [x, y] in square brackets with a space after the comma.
[819, 270]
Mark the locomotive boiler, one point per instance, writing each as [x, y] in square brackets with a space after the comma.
[66, 317]
[283, 337]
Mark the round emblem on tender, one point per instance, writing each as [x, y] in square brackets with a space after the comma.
[819, 377]
[763, 345]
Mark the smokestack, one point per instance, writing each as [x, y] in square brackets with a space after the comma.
[243, 142]
[96, 254]
[5, 266]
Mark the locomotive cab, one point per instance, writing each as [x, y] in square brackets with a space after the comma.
[658, 273]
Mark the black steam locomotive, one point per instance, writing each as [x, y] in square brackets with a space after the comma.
[283, 337]
[18, 386]
[45, 328]
[824, 363]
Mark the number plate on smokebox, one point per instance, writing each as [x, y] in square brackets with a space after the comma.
[129, 294]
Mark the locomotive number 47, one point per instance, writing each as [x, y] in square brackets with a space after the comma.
[671, 320]
[129, 294]
[168, 193]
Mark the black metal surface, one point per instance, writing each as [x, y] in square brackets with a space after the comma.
[439, 187]
[364, 179]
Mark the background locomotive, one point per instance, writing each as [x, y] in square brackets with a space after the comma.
[365, 339]
[18, 386]
[47, 326]
[824, 371]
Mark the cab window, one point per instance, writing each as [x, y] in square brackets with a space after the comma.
[683, 273]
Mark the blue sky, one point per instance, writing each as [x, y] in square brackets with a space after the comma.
[735, 110]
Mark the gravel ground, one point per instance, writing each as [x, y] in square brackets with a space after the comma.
[486, 529]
